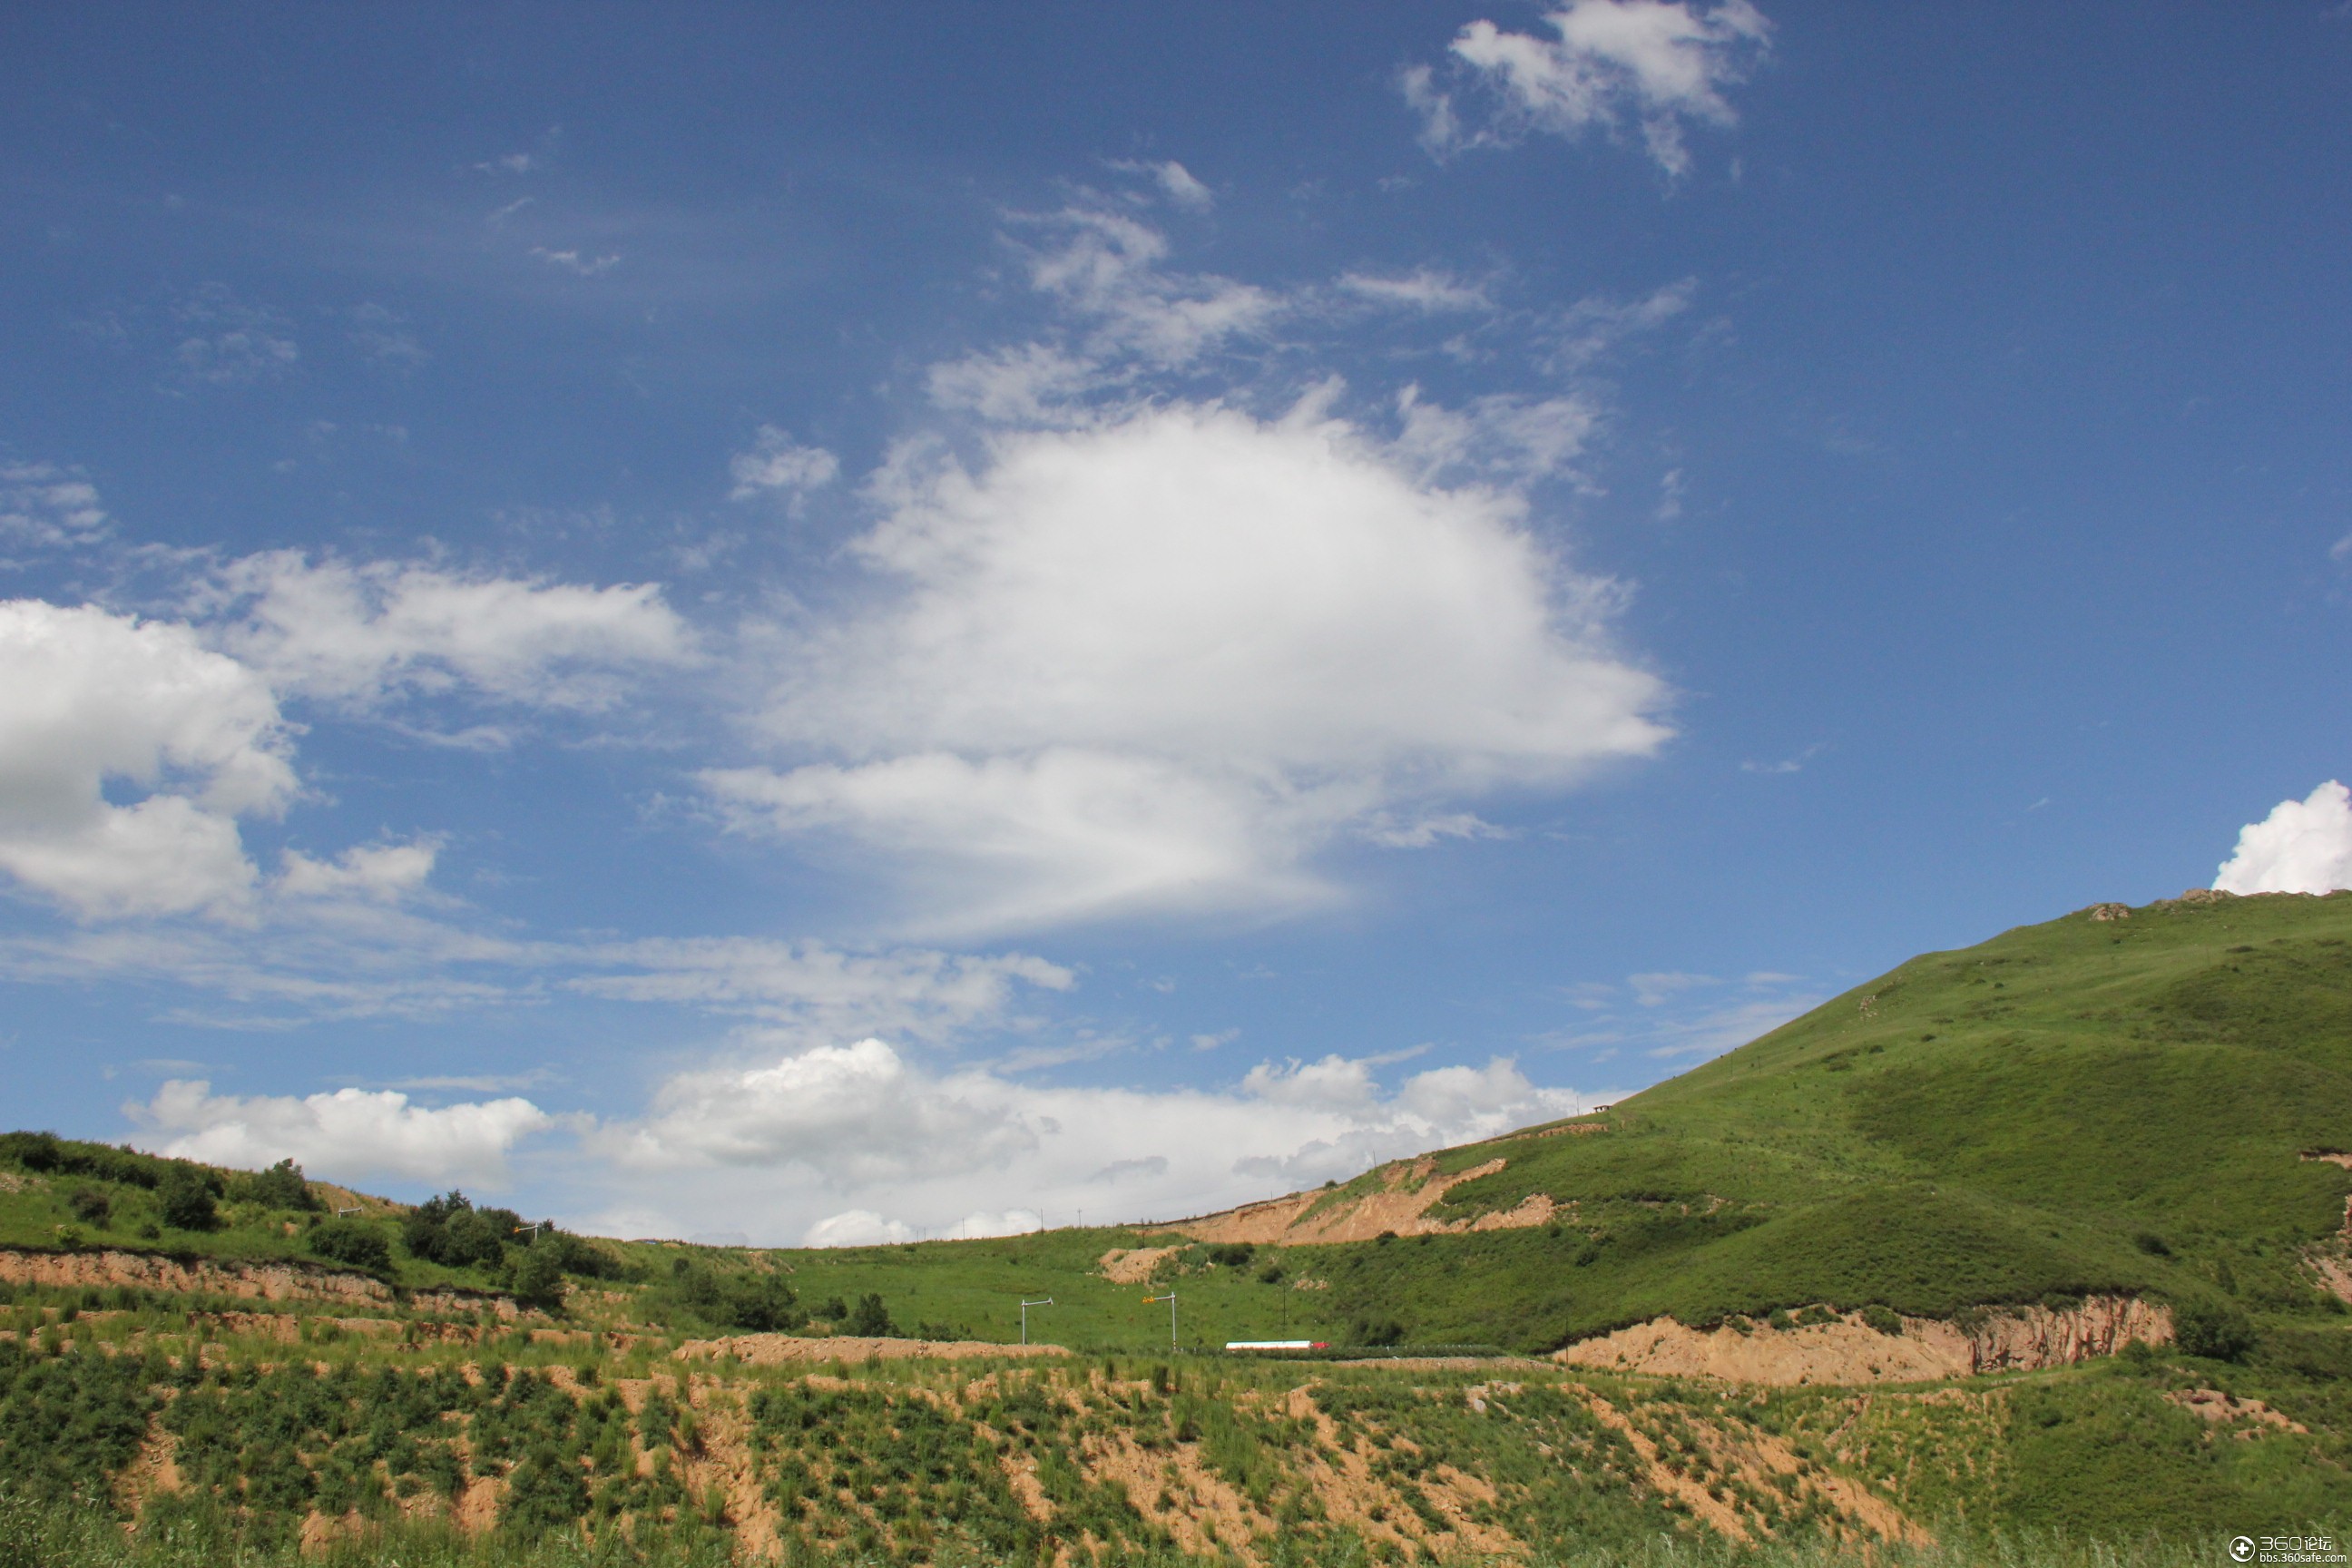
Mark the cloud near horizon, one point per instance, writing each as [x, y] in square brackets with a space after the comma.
[2302, 846]
[910, 1145]
[349, 1134]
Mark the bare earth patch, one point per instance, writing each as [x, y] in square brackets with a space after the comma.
[2250, 1415]
[1133, 1264]
[1399, 1206]
[1849, 1351]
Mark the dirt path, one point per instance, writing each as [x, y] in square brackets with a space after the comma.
[779, 1350]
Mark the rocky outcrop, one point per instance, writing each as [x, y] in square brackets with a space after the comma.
[2019, 1339]
[1846, 1350]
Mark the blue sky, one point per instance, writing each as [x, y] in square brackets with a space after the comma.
[844, 623]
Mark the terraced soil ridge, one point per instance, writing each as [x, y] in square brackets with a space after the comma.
[274, 1280]
[1847, 1350]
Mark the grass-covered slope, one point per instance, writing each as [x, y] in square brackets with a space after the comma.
[2089, 1104]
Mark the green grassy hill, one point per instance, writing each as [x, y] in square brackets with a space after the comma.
[2119, 1104]
[2136, 1105]
[2089, 1105]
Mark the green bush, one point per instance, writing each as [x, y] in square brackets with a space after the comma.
[538, 1279]
[450, 1231]
[2213, 1330]
[281, 1186]
[186, 1199]
[870, 1320]
[353, 1242]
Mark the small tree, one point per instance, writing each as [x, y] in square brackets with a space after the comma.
[186, 1199]
[538, 1279]
[282, 1187]
[870, 1320]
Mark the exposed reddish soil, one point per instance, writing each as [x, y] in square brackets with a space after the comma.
[1399, 1207]
[1133, 1264]
[1849, 1351]
[2228, 1409]
[271, 1281]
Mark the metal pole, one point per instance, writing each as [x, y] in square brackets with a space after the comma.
[1171, 1299]
[1026, 1305]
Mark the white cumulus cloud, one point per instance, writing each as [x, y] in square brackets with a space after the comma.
[1154, 663]
[347, 1134]
[2302, 846]
[385, 872]
[1661, 63]
[853, 1114]
[362, 634]
[863, 1144]
[90, 701]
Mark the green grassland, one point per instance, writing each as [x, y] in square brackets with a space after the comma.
[612, 1451]
[2084, 1106]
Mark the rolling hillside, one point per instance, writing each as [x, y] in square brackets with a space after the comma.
[2100, 1162]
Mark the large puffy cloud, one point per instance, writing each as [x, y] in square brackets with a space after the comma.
[913, 1149]
[854, 1114]
[91, 700]
[1661, 64]
[363, 634]
[1155, 662]
[2302, 846]
[348, 1134]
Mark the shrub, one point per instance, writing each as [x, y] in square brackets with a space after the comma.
[2213, 1330]
[869, 1319]
[349, 1241]
[91, 1206]
[538, 1279]
[450, 1231]
[1881, 1319]
[281, 1186]
[763, 1304]
[1235, 1255]
[186, 1199]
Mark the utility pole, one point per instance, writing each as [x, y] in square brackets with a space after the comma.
[1171, 1299]
[1026, 1305]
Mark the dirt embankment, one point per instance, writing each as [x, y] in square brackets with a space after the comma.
[778, 1349]
[1133, 1264]
[154, 1271]
[1849, 1351]
[1400, 1206]
[281, 1280]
